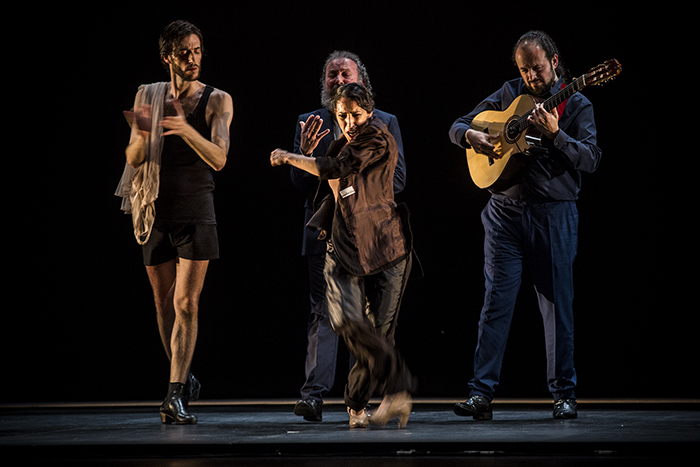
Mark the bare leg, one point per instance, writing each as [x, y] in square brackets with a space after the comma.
[162, 278]
[188, 288]
[176, 290]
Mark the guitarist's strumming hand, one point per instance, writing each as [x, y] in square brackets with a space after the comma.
[483, 143]
[545, 122]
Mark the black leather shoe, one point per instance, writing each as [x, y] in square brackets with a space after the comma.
[174, 408]
[310, 409]
[565, 409]
[192, 389]
[478, 407]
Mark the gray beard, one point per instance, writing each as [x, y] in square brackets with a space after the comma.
[327, 100]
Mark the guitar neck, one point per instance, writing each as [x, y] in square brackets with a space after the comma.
[573, 87]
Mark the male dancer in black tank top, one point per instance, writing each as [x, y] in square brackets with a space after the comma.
[196, 136]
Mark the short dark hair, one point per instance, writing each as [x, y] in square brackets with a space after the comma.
[173, 34]
[549, 47]
[356, 92]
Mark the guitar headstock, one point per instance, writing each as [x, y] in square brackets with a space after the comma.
[604, 72]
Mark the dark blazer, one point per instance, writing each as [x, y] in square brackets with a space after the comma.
[308, 184]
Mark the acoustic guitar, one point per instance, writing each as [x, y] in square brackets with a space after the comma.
[516, 136]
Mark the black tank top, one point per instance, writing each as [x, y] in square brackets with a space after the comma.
[186, 181]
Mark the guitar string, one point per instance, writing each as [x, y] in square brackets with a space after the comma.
[521, 122]
[575, 86]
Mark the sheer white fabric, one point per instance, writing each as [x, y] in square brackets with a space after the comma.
[138, 187]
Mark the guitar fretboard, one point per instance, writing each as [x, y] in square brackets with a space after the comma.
[521, 123]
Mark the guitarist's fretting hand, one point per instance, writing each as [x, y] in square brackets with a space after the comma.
[545, 122]
[483, 143]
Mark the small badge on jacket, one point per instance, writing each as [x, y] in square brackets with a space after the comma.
[345, 192]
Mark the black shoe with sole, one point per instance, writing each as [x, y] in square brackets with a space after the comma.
[310, 409]
[478, 407]
[565, 409]
[192, 389]
[174, 407]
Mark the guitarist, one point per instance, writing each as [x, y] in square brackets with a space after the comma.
[532, 220]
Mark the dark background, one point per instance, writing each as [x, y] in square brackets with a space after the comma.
[83, 325]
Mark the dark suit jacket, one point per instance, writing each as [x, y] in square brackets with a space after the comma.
[309, 184]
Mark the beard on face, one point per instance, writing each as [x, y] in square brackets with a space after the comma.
[542, 89]
[182, 73]
[327, 99]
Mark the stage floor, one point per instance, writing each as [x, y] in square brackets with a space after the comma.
[268, 433]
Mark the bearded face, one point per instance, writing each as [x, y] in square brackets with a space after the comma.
[338, 72]
[186, 59]
[538, 73]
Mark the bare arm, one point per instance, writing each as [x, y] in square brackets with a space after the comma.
[281, 157]
[136, 150]
[219, 116]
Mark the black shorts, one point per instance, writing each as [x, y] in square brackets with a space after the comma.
[197, 242]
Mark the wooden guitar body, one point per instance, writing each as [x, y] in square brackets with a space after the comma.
[487, 171]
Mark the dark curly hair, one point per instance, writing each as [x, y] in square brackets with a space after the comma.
[173, 34]
[356, 92]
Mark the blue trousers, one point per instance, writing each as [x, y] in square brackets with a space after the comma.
[322, 342]
[543, 235]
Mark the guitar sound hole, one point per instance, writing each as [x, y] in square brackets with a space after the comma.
[513, 131]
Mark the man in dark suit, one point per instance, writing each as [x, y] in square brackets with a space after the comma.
[319, 128]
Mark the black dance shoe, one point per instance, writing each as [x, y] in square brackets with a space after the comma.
[310, 409]
[478, 407]
[174, 407]
[565, 409]
[192, 389]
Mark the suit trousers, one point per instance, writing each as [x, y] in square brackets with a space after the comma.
[543, 235]
[322, 341]
[363, 311]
